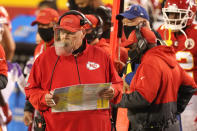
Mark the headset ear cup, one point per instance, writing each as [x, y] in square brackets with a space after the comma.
[82, 22]
[99, 32]
[142, 45]
[99, 27]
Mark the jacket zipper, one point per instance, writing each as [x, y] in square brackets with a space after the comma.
[77, 69]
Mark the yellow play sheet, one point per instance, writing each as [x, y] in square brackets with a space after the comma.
[80, 97]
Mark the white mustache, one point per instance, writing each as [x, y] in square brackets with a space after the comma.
[61, 44]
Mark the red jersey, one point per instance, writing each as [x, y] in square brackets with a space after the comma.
[104, 45]
[186, 50]
[3, 63]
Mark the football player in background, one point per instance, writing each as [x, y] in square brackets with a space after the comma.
[7, 39]
[5, 114]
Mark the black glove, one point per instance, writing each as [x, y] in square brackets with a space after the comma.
[184, 95]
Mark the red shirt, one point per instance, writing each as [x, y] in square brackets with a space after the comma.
[123, 53]
[104, 45]
[3, 63]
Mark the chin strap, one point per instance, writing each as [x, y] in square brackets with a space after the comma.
[169, 41]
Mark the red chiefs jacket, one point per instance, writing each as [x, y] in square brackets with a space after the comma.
[154, 89]
[3, 63]
[41, 47]
[91, 66]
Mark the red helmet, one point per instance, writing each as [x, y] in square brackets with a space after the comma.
[185, 9]
[4, 17]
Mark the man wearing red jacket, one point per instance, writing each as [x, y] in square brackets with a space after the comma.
[93, 37]
[71, 61]
[160, 89]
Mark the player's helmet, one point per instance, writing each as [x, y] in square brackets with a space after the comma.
[4, 17]
[3, 20]
[183, 9]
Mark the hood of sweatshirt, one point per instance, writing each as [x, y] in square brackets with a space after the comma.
[166, 53]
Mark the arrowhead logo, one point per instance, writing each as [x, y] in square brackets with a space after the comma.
[92, 65]
[142, 77]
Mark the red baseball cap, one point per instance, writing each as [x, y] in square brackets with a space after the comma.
[93, 19]
[45, 16]
[146, 33]
[70, 23]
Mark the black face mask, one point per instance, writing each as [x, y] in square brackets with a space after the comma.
[46, 34]
[90, 38]
[128, 30]
[106, 34]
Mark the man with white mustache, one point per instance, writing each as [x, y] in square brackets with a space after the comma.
[71, 62]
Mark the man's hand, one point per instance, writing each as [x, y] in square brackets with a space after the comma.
[49, 100]
[107, 93]
[7, 112]
[28, 116]
[118, 65]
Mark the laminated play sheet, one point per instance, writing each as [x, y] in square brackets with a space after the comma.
[80, 97]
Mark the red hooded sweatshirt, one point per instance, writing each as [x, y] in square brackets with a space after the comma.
[155, 87]
[71, 70]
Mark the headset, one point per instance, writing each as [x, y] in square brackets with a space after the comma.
[105, 14]
[83, 21]
[141, 46]
[142, 43]
[97, 31]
